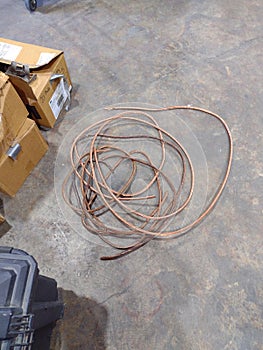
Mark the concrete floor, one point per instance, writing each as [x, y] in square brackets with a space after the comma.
[203, 290]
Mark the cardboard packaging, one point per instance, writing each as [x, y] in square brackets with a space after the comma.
[13, 113]
[41, 77]
[26, 151]
[2, 219]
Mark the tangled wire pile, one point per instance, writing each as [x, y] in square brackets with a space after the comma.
[122, 184]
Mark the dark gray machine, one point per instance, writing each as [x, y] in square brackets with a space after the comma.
[29, 305]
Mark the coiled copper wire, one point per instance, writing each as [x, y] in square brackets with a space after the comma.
[87, 191]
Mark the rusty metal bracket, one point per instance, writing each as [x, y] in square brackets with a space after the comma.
[21, 71]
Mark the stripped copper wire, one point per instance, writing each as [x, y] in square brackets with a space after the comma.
[97, 153]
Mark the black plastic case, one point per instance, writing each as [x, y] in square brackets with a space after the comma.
[29, 305]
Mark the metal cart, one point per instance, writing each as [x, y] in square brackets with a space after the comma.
[31, 5]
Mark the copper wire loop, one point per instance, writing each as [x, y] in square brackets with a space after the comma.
[107, 163]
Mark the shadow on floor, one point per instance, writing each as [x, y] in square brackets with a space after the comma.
[83, 325]
[4, 228]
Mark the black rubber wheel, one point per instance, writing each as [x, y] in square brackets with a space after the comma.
[31, 5]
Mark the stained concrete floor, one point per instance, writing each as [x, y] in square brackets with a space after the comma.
[203, 290]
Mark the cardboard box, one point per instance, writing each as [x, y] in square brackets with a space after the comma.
[46, 89]
[2, 219]
[13, 113]
[30, 147]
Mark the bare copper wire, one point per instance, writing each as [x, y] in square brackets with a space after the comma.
[86, 181]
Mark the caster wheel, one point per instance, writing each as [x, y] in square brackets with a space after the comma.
[31, 5]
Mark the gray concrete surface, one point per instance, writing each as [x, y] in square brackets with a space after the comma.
[202, 290]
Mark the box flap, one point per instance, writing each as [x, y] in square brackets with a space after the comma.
[13, 113]
[3, 79]
[32, 55]
[14, 172]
